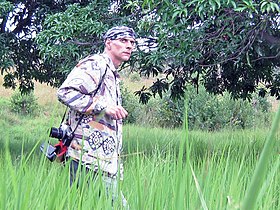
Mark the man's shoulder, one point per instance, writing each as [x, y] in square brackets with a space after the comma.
[94, 60]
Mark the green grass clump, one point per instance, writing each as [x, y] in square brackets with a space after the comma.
[164, 169]
[250, 200]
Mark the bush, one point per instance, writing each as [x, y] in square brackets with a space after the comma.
[132, 105]
[170, 112]
[205, 111]
[24, 103]
[138, 113]
[134, 77]
[214, 112]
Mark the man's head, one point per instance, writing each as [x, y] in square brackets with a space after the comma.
[119, 43]
[119, 32]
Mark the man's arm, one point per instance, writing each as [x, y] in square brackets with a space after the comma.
[77, 91]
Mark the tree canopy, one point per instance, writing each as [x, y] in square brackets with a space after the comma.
[224, 45]
[20, 22]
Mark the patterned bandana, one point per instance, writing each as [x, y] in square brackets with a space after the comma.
[119, 32]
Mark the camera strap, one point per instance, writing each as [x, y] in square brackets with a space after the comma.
[67, 143]
[61, 148]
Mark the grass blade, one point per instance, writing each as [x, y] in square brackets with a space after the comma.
[259, 173]
[202, 200]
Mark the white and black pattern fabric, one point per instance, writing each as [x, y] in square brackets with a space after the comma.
[109, 145]
[119, 32]
[95, 140]
[86, 119]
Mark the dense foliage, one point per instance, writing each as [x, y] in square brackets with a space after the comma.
[205, 111]
[20, 61]
[224, 45]
[25, 104]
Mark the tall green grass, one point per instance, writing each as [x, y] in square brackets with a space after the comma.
[213, 171]
[260, 171]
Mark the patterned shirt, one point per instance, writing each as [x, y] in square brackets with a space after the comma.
[98, 138]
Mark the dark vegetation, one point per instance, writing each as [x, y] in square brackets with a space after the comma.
[224, 46]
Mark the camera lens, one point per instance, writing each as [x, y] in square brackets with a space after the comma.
[56, 133]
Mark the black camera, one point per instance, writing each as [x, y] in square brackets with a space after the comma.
[49, 150]
[64, 134]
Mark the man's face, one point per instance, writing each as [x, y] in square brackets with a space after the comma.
[121, 49]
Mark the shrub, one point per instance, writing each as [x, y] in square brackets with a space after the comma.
[138, 113]
[170, 112]
[24, 103]
[214, 112]
[205, 111]
[135, 77]
[131, 104]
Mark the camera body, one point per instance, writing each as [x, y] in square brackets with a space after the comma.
[49, 150]
[65, 135]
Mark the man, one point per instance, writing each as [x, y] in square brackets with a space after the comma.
[92, 92]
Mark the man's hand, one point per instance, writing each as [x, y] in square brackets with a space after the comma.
[116, 112]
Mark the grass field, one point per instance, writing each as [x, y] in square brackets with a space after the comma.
[47, 94]
[161, 172]
[164, 168]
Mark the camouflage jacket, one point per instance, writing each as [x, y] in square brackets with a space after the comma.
[98, 138]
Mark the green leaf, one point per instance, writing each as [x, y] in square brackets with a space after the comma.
[240, 9]
[175, 14]
[275, 7]
[263, 6]
[213, 5]
[200, 10]
[218, 2]
[233, 4]
[248, 59]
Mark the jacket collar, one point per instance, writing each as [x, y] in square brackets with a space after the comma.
[109, 62]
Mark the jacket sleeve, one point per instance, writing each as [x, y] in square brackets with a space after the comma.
[78, 90]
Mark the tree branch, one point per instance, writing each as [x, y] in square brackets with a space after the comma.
[267, 57]
[269, 38]
[80, 43]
